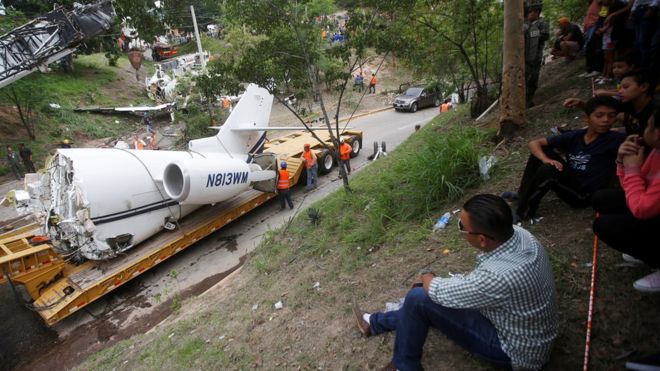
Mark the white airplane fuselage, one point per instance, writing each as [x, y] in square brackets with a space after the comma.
[97, 203]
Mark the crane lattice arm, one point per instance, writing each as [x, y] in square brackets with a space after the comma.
[50, 37]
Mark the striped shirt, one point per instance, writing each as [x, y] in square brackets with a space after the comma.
[513, 286]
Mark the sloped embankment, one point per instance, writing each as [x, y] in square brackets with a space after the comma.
[370, 243]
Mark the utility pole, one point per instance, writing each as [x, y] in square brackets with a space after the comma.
[199, 39]
[512, 103]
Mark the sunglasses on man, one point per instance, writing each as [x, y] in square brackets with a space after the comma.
[461, 228]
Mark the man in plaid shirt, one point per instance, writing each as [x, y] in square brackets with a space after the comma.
[504, 311]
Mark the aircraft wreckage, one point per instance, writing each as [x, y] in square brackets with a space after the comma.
[97, 203]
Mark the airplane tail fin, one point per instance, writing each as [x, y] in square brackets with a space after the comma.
[252, 111]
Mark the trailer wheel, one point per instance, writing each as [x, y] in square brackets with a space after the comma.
[356, 146]
[382, 144]
[375, 147]
[325, 162]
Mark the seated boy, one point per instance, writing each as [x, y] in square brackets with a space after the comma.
[588, 163]
[623, 64]
[629, 222]
[636, 92]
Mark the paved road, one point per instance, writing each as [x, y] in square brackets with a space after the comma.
[140, 304]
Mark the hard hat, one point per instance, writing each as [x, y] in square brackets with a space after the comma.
[66, 141]
[306, 145]
[283, 164]
[347, 139]
[564, 20]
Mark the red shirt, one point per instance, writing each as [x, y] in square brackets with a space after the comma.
[642, 186]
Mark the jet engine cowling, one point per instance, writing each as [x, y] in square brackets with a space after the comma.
[206, 181]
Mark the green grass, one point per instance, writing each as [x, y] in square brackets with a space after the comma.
[211, 45]
[392, 202]
[81, 87]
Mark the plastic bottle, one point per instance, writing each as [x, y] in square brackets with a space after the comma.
[442, 222]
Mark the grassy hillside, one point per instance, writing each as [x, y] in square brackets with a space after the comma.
[93, 82]
[368, 246]
[211, 45]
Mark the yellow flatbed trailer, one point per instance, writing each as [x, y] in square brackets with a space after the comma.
[59, 288]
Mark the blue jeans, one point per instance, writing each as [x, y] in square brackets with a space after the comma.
[466, 327]
[312, 176]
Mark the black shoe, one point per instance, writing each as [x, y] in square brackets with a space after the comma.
[649, 363]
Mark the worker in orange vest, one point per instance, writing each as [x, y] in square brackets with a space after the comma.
[137, 142]
[151, 141]
[444, 107]
[283, 186]
[372, 83]
[226, 104]
[345, 150]
[312, 166]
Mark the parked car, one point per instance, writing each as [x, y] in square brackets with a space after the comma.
[417, 97]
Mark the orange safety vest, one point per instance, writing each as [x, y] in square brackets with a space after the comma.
[444, 107]
[374, 80]
[138, 144]
[225, 103]
[309, 158]
[283, 182]
[345, 151]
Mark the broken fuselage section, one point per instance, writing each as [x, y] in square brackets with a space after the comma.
[97, 203]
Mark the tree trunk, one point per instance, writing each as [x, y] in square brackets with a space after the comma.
[512, 105]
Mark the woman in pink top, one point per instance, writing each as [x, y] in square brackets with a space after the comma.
[630, 222]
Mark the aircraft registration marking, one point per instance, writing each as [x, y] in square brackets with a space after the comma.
[222, 179]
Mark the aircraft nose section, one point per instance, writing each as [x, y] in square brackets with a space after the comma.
[176, 181]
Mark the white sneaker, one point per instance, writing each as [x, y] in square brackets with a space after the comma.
[631, 259]
[649, 283]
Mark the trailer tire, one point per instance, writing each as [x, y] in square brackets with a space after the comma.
[326, 162]
[356, 146]
[384, 147]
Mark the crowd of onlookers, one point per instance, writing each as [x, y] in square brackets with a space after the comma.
[621, 135]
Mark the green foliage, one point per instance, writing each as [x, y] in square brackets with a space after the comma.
[177, 13]
[69, 90]
[197, 123]
[573, 9]
[13, 19]
[144, 16]
[456, 43]
[210, 45]
[388, 199]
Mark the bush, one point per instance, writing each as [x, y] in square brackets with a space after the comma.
[391, 196]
